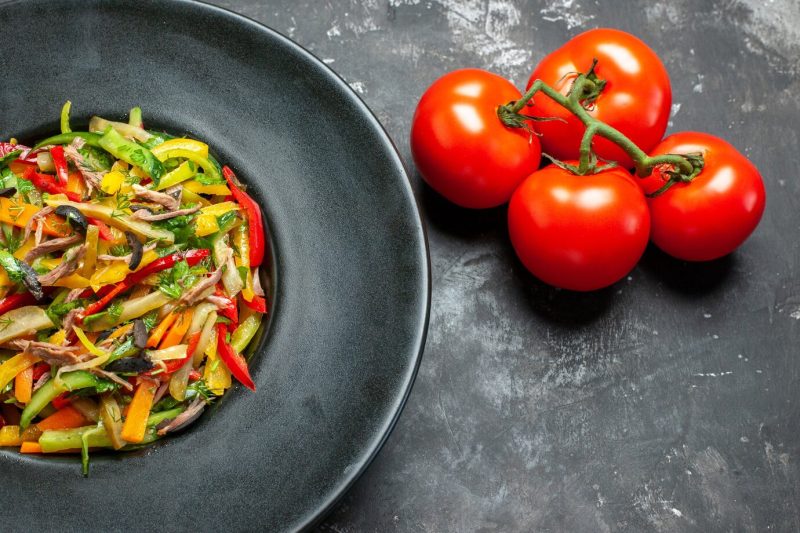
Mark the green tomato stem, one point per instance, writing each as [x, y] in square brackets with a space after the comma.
[585, 89]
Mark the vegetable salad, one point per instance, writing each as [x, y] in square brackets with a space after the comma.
[129, 286]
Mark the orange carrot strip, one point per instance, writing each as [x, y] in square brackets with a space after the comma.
[136, 421]
[178, 330]
[160, 330]
[23, 385]
[30, 447]
[65, 418]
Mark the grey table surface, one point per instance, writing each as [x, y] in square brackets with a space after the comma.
[668, 402]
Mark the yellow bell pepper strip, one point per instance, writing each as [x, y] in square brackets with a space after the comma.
[90, 257]
[112, 181]
[65, 117]
[198, 188]
[190, 197]
[14, 211]
[23, 385]
[92, 139]
[189, 145]
[108, 215]
[205, 225]
[255, 222]
[216, 374]
[22, 321]
[135, 424]
[73, 281]
[13, 366]
[89, 345]
[233, 360]
[185, 170]
[132, 153]
[209, 168]
[220, 208]
[10, 436]
[47, 393]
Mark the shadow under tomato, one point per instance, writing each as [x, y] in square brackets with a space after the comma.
[686, 277]
[560, 307]
[451, 219]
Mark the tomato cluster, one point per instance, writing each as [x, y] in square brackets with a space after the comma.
[586, 230]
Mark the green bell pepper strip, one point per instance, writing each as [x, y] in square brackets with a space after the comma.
[92, 139]
[56, 440]
[130, 152]
[69, 382]
[209, 168]
[65, 117]
[135, 117]
[245, 332]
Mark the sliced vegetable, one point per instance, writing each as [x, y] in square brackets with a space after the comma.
[90, 256]
[47, 183]
[14, 211]
[60, 164]
[50, 390]
[65, 117]
[111, 216]
[92, 139]
[65, 418]
[97, 125]
[132, 153]
[23, 385]
[255, 224]
[111, 415]
[133, 429]
[10, 436]
[234, 361]
[23, 320]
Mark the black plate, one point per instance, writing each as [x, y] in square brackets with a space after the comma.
[352, 277]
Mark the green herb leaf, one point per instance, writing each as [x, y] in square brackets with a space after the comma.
[115, 310]
[205, 179]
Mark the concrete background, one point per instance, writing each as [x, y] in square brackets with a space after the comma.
[668, 402]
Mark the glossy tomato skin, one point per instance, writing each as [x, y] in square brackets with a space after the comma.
[636, 99]
[460, 146]
[579, 232]
[715, 213]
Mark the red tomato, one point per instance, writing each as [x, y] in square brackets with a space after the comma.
[636, 99]
[714, 214]
[461, 147]
[579, 232]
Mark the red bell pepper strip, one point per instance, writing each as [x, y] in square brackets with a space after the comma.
[103, 230]
[62, 400]
[15, 301]
[194, 375]
[257, 304]
[44, 182]
[255, 223]
[60, 162]
[231, 310]
[39, 370]
[192, 257]
[234, 361]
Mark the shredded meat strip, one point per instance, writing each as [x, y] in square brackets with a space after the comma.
[126, 258]
[160, 198]
[53, 353]
[35, 219]
[149, 216]
[51, 246]
[197, 293]
[68, 265]
[92, 176]
[188, 416]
